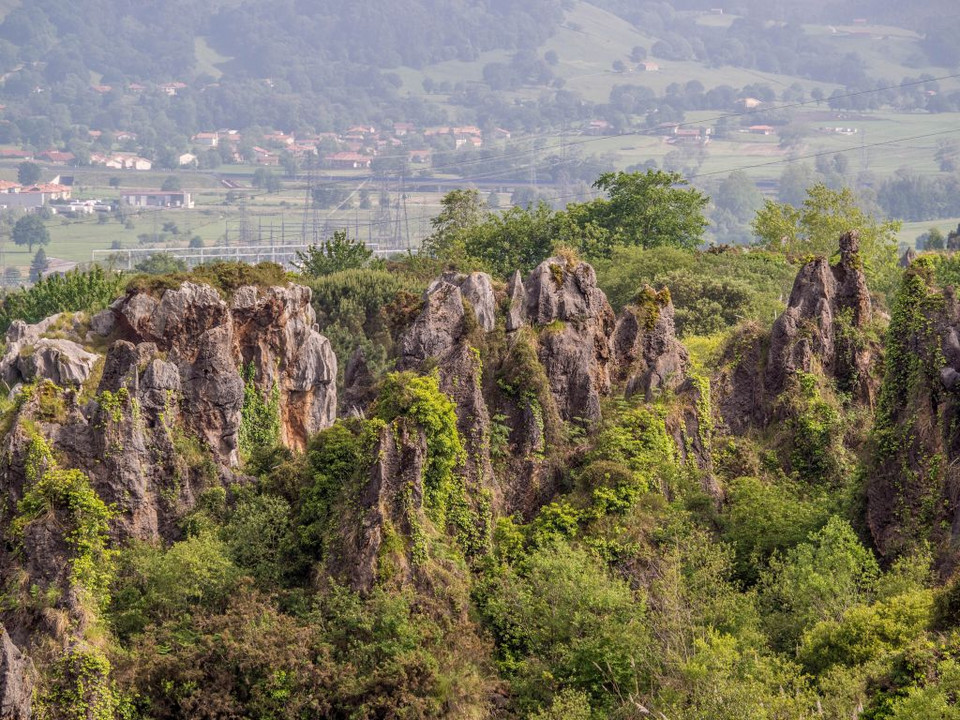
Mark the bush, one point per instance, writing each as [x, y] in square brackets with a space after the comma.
[561, 621]
[225, 277]
[711, 291]
[89, 291]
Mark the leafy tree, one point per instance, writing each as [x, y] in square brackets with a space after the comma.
[30, 230]
[334, 255]
[815, 227]
[739, 195]
[460, 210]
[90, 290]
[28, 173]
[160, 264]
[650, 209]
[38, 265]
[562, 621]
[817, 580]
[171, 183]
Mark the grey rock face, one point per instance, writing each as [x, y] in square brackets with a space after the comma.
[647, 355]
[827, 304]
[30, 356]
[828, 309]
[574, 346]
[208, 341]
[440, 334]
[16, 680]
[517, 312]
[392, 496]
[477, 289]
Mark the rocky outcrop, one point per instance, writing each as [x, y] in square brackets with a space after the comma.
[275, 330]
[574, 321]
[647, 355]
[445, 335]
[210, 341]
[34, 353]
[913, 485]
[391, 501]
[476, 289]
[16, 680]
[517, 299]
[827, 307]
[822, 331]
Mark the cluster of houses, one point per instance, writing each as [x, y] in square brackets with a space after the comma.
[32, 197]
[356, 148]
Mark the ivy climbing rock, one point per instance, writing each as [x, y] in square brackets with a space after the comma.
[391, 502]
[446, 334]
[912, 485]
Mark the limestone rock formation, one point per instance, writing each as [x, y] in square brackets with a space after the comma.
[170, 378]
[16, 680]
[32, 354]
[575, 322]
[441, 334]
[916, 432]
[392, 497]
[275, 329]
[517, 310]
[477, 289]
[822, 331]
[827, 304]
[647, 355]
[272, 329]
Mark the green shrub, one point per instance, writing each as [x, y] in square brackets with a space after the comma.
[561, 621]
[419, 399]
[78, 290]
[154, 585]
[711, 291]
[224, 276]
[83, 516]
[816, 581]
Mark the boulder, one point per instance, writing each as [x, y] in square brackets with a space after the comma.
[32, 355]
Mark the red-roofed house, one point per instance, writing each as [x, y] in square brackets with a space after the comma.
[57, 157]
[206, 139]
[348, 160]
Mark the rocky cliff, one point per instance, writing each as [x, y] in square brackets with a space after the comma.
[823, 331]
[124, 420]
[912, 485]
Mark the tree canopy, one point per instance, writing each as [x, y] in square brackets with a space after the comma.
[30, 230]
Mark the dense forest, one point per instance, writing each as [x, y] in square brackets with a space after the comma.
[562, 464]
